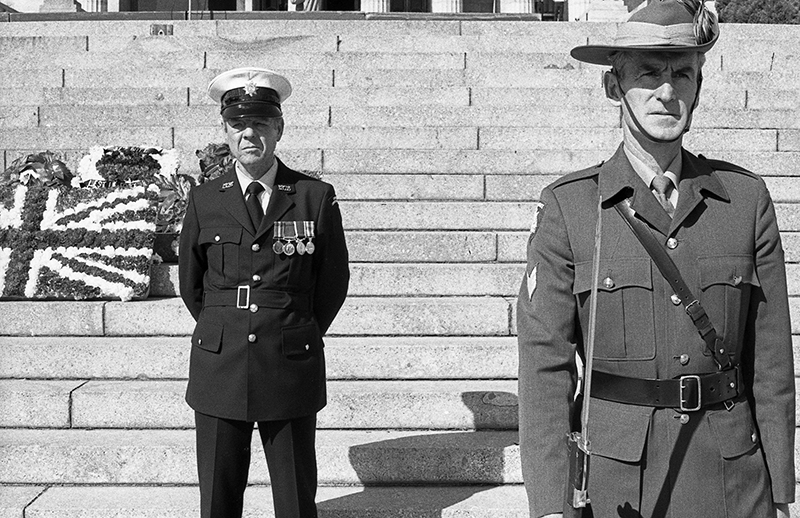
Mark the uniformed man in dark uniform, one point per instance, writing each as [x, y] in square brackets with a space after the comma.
[264, 271]
[675, 429]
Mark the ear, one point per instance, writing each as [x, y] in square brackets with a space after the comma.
[612, 88]
[280, 129]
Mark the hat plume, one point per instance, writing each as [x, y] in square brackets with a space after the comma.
[704, 20]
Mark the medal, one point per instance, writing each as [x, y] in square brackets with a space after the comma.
[277, 235]
[301, 247]
[288, 249]
[308, 228]
[310, 248]
[277, 247]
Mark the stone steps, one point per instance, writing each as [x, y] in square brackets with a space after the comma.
[398, 405]
[351, 457]
[507, 501]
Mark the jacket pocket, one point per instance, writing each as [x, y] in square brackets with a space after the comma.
[735, 430]
[302, 340]
[222, 250]
[618, 431]
[207, 336]
[725, 285]
[625, 327]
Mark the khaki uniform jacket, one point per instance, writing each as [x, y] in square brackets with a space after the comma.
[718, 463]
[265, 362]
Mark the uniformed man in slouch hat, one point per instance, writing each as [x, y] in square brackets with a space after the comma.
[692, 393]
[264, 271]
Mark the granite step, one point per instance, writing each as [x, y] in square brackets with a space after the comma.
[352, 405]
[507, 501]
[345, 457]
[346, 358]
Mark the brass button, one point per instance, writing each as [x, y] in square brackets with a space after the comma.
[683, 359]
[307, 347]
[199, 341]
[251, 338]
[684, 418]
[256, 247]
[253, 308]
[675, 299]
[737, 279]
[672, 243]
[754, 437]
[216, 238]
[608, 282]
[256, 278]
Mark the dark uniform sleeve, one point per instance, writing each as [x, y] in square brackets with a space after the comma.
[769, 330]
[332, 274]
[192, 263]
[547, 327]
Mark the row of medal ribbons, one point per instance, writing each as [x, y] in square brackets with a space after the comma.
[293, 236]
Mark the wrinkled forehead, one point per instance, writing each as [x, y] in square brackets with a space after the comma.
[661, 60]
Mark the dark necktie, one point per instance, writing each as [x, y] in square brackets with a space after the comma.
[663, 188]
[253, 205]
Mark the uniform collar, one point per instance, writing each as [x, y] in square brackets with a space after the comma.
[267, 179]
[673, 171]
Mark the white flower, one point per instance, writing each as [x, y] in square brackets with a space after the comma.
[169, 162]
[86, 167]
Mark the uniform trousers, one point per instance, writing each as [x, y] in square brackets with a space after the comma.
[223, 462]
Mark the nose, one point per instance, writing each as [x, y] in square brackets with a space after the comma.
[665, 93]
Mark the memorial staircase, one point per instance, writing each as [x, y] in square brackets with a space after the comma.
[438, 135]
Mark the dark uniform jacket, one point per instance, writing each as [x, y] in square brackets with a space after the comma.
[264, 362]
[716, 462]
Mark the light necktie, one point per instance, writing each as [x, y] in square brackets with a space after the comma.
[663, 188]
[253, 204]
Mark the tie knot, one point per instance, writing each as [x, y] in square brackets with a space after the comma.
[662, 184]
[254, 188]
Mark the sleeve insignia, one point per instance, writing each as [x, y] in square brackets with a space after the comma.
[334, 201]
[537, 217]
[531, 282]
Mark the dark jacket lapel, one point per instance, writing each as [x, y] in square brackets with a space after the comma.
[697, 179]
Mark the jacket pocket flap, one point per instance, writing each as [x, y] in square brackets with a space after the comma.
[731, 270]
[615, 274]
[734, 430]
[207, 336]
[618, 431]
[220, 235]
[301, 340]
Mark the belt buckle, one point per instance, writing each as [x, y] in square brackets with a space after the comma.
[242, 292]
[683, 386]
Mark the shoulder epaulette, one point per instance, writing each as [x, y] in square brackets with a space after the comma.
[583, 174]
[721, 165]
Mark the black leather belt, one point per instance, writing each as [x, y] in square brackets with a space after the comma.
[687, 393]
[243, 297]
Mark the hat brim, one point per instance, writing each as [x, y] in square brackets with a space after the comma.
[251, 109]
[598, 54]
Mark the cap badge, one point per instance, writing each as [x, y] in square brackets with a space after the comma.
[250, 88]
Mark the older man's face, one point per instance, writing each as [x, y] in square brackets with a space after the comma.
[252, 141]
[660, 89]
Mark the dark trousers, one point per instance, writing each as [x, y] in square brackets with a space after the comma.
[223, 461]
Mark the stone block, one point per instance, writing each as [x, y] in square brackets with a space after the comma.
[783, 189]
[436, 247]
[507, 73]
[512, 247]
[788, 215]
[17, 97]
[484, 58]
[421, 78]
[353, 137]
[791, 246]
[32, 78]
[85, 97]
[482, 161]
[517, 187]
[337, 60]
[344, 457]
[436, 216]
[773, 99]
[428, 358]
[15, 499]
[127, 116]
[749, 119]
[548, 138]
[765, 163]
[417, 280]
[355, 97]
[152, 317]
[701, 140]
[95, 357]
[789, 140]
[83, 137]
[19, 117]
[564, 99]
[440, 316]
[254, 29]
[407, 187]
[712, 99]
[333, 502]
[131, 404]
[794, 310]
[52, 318]
[36, 404]
[22, 45]
[143, 78]
[474, 116]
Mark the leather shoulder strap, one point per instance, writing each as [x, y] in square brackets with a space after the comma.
[673, 276]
